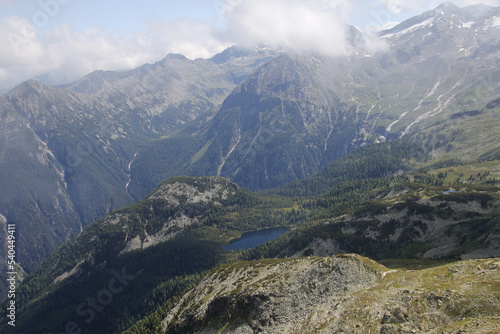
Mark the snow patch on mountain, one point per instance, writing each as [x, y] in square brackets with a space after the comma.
[493, 23]
[468, 25]
[426, 23]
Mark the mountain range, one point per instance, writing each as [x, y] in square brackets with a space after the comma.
[141, 176]
[66, 152]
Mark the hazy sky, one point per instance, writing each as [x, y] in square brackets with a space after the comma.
[66, 39]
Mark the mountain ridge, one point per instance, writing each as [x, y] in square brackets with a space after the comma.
[374, 299]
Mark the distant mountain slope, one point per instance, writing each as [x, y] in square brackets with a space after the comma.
[175, 90]
[453, 54]
[65, 154]
[58, 149]
[295, 114]
[43, 210]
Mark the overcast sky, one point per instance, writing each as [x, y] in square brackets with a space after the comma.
[63, 40]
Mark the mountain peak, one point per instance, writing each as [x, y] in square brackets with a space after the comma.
[31, 84]
[447, 6]
[448, 12]
[175, 56]
[228, 54]
[96, 82]
[26, 88]
[478, 11]
[238, 52]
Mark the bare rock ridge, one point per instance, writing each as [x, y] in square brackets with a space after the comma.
[174, 201]
[270, 295]
[340, 294]
[195, 190]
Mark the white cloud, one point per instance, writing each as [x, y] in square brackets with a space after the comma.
[21, 52]
[312, 25]
[398, 6]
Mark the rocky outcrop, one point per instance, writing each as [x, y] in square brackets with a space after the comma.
[170, 229]
[340, 294]
[270, 295]
[194, 190]
[461, 225]
[177, 201]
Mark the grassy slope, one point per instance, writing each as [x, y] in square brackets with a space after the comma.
[449, 298]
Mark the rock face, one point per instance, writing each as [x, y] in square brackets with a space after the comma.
[340, 294]
[273, 296]
[460, 225]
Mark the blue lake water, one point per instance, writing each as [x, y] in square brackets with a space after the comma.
[252, 239]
